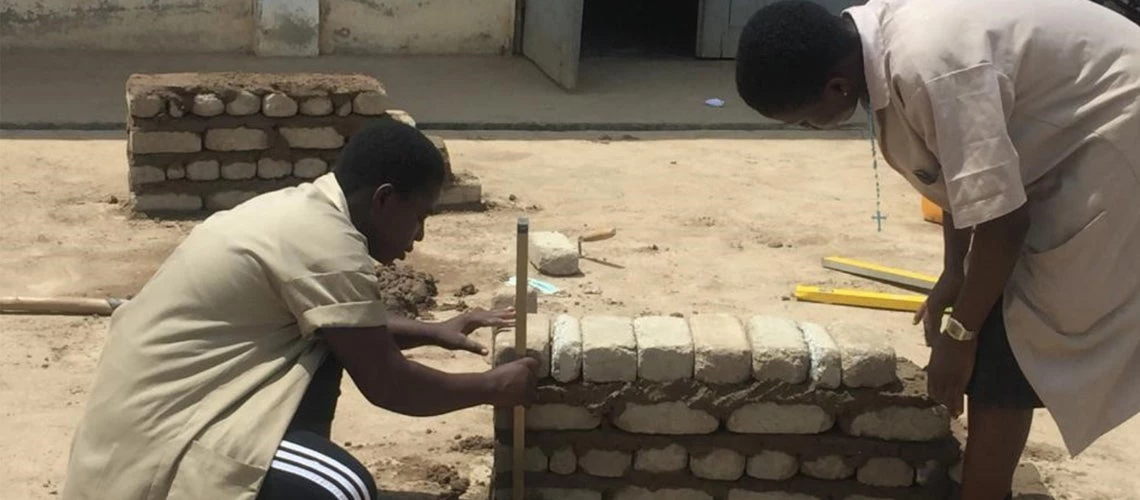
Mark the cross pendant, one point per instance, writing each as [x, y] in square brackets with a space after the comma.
[879, 218]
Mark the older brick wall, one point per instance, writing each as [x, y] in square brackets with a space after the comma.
[209, 141]
[721, 407]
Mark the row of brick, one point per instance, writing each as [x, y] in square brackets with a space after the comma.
[246, 103]
[211, 170]
[712, 348]
[642, 493]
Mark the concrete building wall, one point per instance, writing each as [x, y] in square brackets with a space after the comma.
[417, 26]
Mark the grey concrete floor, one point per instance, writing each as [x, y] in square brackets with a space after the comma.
[85, 90]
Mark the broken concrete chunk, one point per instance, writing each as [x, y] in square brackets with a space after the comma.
[664, 348]
[779, 352]
[553, 253]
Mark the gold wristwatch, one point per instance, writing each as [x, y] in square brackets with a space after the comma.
[956, 331]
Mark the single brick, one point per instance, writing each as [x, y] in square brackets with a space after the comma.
[146, 174]
[226, 200]
[312, 137]
[244, 103]
[278, 105]
[171, 202]
[672, 417]
[568, 494]
[553, 254]
[899, 423]
[775, 418]
[310, 168]
[401, 116]
[537, 343]
[565, 348]
[736, 494]
[560, 417]
[164, 142]
[720, 349]
[826, 363]
[664, 348]
[829, 467]
[671, 458]
[208, 105]
[772, 465]
[505, 298]
[175, 109]
[145, 106]
[317, 106]
[463, 192]
[206, 170]
[534, 458]
[239, 171]
[268, 168]
[887, 472]
[605, 463]
[176, 172]
[868, 359]
[779, 352]
[236, 139]
[344, 109]
[718, 465]
[638, 493]
[370, 103]
[563, 461]
[609, 349]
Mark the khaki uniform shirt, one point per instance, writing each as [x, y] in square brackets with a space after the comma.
[988, 105]
[204, 369]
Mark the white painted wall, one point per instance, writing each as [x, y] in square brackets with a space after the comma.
[417, 26]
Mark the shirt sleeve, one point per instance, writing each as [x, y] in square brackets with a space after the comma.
[967, 114]
[334, 299]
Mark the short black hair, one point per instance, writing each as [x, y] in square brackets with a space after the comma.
[788, 50]
[388, 151]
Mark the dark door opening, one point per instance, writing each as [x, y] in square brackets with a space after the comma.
[640, 28]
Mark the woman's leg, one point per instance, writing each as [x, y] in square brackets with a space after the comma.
[310, 467]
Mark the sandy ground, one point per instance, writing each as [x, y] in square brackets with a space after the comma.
[724, 223]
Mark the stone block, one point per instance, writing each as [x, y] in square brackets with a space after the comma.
[534, 458]
[505, 298]
[286, 28]
[674, 418]
[208, 105]
[310, 168]
[465, 193]
[887, 472]
[565, 348]
[176, 172]
[829, 467]
[775, 418]
[244, 103]
[567, 494]
[721, 353]
[168, 202]
[899, 423]
[605, 463]
[145, 106]
[344, 109]
[371, 103]
[317, 106]
[537, 343]
[236, 139]
[563, 461]
[268, 168]
[737, 494]
[671, 458]
[226, 200]
[826, 363]
[146, 174]
[779, 352]
[638, 493]
[772, 465]
[278, 105]
[609, 349]
[142, 143]
[553, 254]
[718, 465]
[239, 171]
[560, 417]
[402, 117]
[312, 137]
[174, 109]
[205, 170]
[664, 348]
[868, 359]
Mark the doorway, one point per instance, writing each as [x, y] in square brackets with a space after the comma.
[640, 28]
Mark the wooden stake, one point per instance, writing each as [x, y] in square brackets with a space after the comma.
[522, 285]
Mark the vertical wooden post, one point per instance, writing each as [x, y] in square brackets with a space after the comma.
[522, 289]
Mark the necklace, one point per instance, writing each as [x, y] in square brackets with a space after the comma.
[878, 217]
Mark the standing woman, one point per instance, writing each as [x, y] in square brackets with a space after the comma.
[1021, 119]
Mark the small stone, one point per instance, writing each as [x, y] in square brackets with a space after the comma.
[145, 106]
[226, 200]
[208, 105]
[609, 349]
[671, 458]
[269, 168]
[779, 352]
[344, 109]
[563, 461]
[718, 465]
[168, 202]
[206, 170]
[505, 298]
[537, 343]
[236, 139]
[898, 423]
[175, 109]
[310, 168]
[639, 493]
[886, 472]
[605, 463]
[239, 171]
[371, 103]
[244, 103]
[317, 106]
[826, 363]
[560, 417]
[565, 348]
[868, 359]
[278, 105]
[830, 467]
[772, 466]
[164, 142]
[673, 418]
[176, 172]
[664, 348]
[553, 254]
[312, 137]
[721, 351]
[402, 117]
[736, 494]
[775, 418]
[146, 175]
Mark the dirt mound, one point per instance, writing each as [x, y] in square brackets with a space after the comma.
[473, 444]
[446, 476]
[407, 292]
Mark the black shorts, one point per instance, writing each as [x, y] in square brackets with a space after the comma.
[997, 381]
